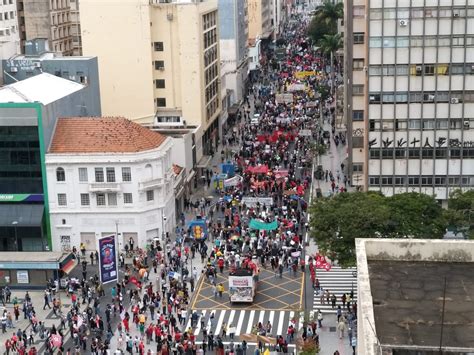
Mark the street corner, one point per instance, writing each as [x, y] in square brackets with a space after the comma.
[283, 293]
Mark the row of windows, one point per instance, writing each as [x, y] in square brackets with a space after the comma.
[102, 199]
[417, 69]
[211, 73]
[417, 124]
[212, 90]
[422, 12]
[98, 174]
[7, 15]
[419, 41]
[424, 153]
[421, 180]
[210, 56]
[6, 2]
[453, 97]
[212, 107]
[210, 38]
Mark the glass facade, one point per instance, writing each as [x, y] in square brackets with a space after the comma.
[20, 160]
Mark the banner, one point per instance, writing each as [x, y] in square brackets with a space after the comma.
[257, 224]
[284, 98]
[108, 259]
[305, 133]
[252, 201]
[233, 181]
[241, 288]
[304, 74]
[21, 198]
[198, 229]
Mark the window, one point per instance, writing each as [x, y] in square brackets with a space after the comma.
[112, 199]
[62, 200]
[374, 180]
[150, 196]
[100, 199]
[110, 174]
[60, 174]
[357, 115]
[357, 90]
[127, 198]
[359, 37]
[85, 200]
[413, 181]
[99, 175]
[358, 64]
[161, 102]
[429, 69]
[160, 84]
[126, 174]
[357, 167]
[83, 175]
[158, 46]
[159, 64]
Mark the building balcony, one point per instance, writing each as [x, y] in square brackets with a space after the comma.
[104, 187]
[151, 184]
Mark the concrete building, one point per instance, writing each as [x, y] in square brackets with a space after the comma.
[50, 19]
[28, 113]
[233, 31]
[259, 19]
[83, 70]
[9, 34]
[172, 58]
[279, 15]
[414, 297]
[75, 27]
[410, 94]
[108, 176]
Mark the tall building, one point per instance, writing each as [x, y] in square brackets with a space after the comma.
[259, 19]
[49, 19]
[169, 73]
[410, 95]
[28, 115]
[9, 36]
[279, 14]
[108, 176]
[233, 40]
[75, 27]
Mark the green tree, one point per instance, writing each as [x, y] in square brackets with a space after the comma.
[325, 20]
[460, 212]
[337, 221]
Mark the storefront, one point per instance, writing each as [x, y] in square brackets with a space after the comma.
[28, 270]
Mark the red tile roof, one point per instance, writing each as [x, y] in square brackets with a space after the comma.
[102, 135]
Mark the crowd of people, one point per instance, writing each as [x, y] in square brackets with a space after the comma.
[271, 148]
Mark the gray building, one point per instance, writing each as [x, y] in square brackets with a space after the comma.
[38, 59]
[233, 32]
[29, 110]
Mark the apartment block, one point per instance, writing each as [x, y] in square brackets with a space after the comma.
[259, 19]
[410, 95]
[9, 36]
[168, 76]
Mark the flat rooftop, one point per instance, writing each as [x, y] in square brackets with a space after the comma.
[407, 298]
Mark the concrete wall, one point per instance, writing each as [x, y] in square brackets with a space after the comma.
[254, 18]
[37, 19]
[118, 33]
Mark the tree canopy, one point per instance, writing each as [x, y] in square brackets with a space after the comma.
[325, 20]
[460, 212]
[337, 221]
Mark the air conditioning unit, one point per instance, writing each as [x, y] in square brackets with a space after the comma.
[455, 14]
[13, 69]
[372, 98]
[419, 68]
[454, 100]
[37, 64]
[403, 23]
[466, 124]
[431, 97]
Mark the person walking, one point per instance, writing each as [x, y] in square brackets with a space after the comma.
[341, 327]
[46, 300]
[220, 289]
[320, 319]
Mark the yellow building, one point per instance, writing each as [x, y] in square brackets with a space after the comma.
[259, 19]
[158, 62]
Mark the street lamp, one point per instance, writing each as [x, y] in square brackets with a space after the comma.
[15, 223]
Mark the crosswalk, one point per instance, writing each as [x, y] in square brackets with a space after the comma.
[242, 321]
[337, 281]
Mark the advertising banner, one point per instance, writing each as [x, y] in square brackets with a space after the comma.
[304, 74]
[284, 98]
[108, 259]
[252, 201]
[233, 181]
[198, 229]
[241, 288]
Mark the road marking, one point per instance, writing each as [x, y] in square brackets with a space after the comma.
[231, 318]
[240, 322]
[280, 323]
[250, 324]
[260, 318]
[219, 323]
[198, 327]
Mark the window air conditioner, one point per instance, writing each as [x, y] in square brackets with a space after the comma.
[14, 69]
[372, 98]
[419, 68]
[466, 124]
[38, 64]
[403, 23]
[431, 97]
[455, 14]
[454, 100]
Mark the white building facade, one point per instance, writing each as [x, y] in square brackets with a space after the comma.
[416, 129]
[99, 194]
[9, 34]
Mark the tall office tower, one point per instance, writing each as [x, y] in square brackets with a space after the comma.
[409, 95]
[158, 62]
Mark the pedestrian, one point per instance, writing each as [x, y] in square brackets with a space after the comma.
[333, 301]
[320, 318]
[220, 289]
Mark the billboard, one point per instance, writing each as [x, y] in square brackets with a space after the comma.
[241, 288]
[108, 268]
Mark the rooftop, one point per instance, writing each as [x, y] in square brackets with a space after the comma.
[44, 88]
[102, 135]
[408, 302]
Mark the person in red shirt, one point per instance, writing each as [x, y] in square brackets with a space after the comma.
[141, 348]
